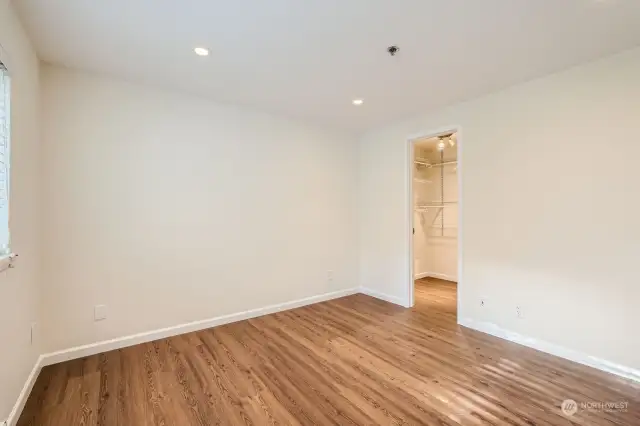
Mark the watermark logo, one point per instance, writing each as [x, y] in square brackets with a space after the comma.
[569, 407]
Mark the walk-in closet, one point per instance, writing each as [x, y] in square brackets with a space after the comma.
[435, 200]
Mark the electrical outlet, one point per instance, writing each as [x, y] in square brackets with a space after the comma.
[100, 312]
[329, 275]
[519, 313]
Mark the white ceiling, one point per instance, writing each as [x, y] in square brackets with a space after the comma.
[310, 58]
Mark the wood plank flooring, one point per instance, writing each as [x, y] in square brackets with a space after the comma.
[350, 361]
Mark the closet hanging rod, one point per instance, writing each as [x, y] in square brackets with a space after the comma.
[425, 163]
[446, 163]
[422, 208]
[436, 204]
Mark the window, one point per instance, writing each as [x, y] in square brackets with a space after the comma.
[4, 160]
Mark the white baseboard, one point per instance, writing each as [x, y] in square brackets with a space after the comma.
[382, 296]
[551, 348]
[14, 415]
[148, 336]
[435, 275]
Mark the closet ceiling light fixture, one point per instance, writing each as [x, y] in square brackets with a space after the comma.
[451, 141]
[441, 145]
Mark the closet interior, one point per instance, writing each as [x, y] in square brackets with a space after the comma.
[435, 197]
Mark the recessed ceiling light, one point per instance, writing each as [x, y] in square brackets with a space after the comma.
[201, 51]
[358, 101]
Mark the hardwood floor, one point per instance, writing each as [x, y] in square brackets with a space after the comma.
[350, 361]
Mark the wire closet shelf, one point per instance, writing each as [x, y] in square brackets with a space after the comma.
[439, 206]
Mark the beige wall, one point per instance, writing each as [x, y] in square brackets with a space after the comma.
[543, 228]
[18, 287]
[168, 208]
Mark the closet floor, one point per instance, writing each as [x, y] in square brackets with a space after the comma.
[350, 361]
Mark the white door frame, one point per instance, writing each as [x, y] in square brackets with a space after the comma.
[410, 299]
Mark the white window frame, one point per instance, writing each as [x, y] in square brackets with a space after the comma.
[6, 256]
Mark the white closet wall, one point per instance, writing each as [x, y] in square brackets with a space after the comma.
[421, 186]
[436, 228]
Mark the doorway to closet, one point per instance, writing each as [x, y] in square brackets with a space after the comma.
[435, 222]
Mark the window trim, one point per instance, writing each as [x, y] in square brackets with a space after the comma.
[7, 256]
